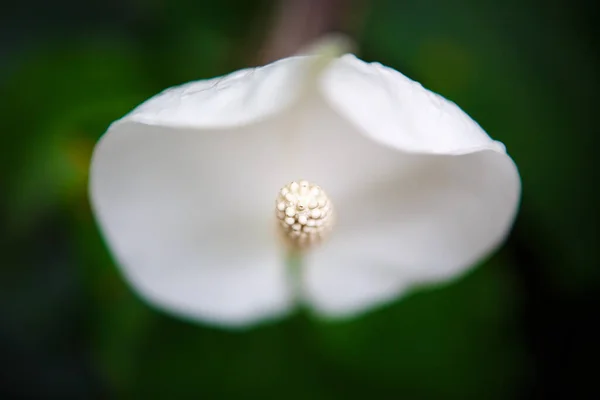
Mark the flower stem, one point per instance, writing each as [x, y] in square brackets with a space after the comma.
[294, 266]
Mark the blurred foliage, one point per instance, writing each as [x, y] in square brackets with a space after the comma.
[71, 325]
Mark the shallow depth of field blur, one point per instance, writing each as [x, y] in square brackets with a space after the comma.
[518, 326]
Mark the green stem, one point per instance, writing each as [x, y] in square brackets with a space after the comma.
[294, 265]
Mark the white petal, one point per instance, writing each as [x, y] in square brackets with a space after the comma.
[425, 195]
[237, 99]
[183, 189]
[167, 182]
[397, 111]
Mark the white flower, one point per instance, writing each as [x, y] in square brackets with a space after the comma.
[184, 187]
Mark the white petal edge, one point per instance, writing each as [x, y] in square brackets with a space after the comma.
[434, 194]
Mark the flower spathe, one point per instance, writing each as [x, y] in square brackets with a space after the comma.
[183, 188]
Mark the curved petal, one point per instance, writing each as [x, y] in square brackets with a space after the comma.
[183, 189]
[240, 98]
[425, 195]
[398, 112]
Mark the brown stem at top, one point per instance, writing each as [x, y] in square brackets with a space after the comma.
[297, 23]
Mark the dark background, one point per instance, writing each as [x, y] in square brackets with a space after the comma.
[521, 326]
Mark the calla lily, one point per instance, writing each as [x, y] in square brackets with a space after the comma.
[185, 190]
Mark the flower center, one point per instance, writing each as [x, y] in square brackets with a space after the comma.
[305, 214]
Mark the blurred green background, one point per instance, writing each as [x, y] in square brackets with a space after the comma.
[519, 326]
